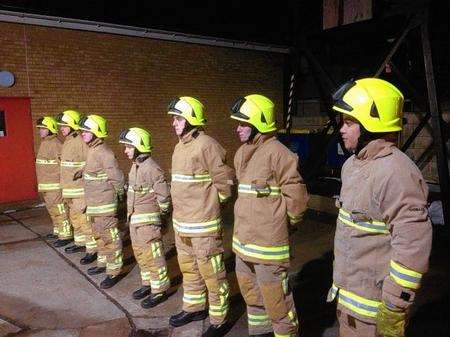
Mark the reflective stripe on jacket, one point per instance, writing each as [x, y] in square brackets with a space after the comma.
[383, 234]
[200, 181]
[270, 191]
[148, 191]
[73, 159]
[103, 180]
[47, 164]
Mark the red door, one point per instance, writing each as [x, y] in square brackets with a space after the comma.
[17, 170]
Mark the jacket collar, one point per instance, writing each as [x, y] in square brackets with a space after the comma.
[191, 135]
[141, 158]
[96, 142]
[376, 149]
[261, 138]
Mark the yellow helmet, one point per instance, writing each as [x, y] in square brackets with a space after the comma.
[375, 103]
[139, 138]
[189, 108]
[95, 124]
[256, 110]
[69, 118]
[47, 122]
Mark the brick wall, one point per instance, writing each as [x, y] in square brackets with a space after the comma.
[131, 80]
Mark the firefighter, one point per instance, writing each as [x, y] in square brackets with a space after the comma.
[201, 182]
[271, 199]
[148, 199]
[73, 159]
[47, 172]
[103, 183]
[383, 234]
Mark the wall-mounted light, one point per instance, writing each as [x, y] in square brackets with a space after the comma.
[6, 79]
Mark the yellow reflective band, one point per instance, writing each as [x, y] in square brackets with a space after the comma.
[405, 277]
[217, 263]
[194, 298]
[46, 162]
[55, 230]
[293, 317]
[141, 191]
[285, 282]
[222, 198]
[61, 208]
[145, 218]
[164, 206]
[251, 189]
[372, 226]
[197, 227]
[188, 178]
[91, 244]
[117, 263]
[101, 209]
[156, 249]
[72, 192]
[98, 177]
[218, 310]
[258, 320]
[114, 232]
[163, 279]
[355, 303]
[282, 335]
[145, 275]
[48, 187]
[101, 258]
[65, 163]
[261, 252]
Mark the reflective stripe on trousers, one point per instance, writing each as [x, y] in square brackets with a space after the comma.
[358, 304]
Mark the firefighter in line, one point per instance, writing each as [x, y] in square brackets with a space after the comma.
[103, 183]
[48, 172]
[271, 198]
[148, 199]
[383, 234]
[73, 159]
[201, 182]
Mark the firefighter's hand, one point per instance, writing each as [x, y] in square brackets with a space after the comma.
[78, 175]
[390, 322]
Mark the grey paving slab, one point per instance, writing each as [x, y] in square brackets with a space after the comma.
[13, 232]
[37, 219]
[40, 290]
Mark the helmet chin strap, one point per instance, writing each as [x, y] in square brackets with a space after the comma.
[365, 138]
[253, 133]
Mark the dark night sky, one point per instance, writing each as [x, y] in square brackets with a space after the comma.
[272, 22]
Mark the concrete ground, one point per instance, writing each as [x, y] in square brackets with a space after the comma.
[46, 292]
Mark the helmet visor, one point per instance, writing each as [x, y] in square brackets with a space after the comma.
[236, 109]
[338, 96]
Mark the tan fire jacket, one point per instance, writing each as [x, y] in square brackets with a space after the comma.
[383, 234]
[200, 181]
[270, 191]
[73, 159]
[148, 192]
[47, 164]
[103, 180]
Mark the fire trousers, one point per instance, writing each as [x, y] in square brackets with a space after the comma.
[270, 305]
[82, 228]
[202, 265]
[58, 212]
[148, 249]
[349, 326]
[109, 243]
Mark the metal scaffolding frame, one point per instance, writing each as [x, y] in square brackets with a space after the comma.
[418, 20]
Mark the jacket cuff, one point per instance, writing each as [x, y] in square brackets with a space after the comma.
[295, 219]
[395, 296]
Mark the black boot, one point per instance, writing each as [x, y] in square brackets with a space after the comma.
[142, 292]
[185, 317]
[96, 270]
[61, 243]
[153, 300]
[110, 281]
[216, 330]
[74, 249]
[268, 334]
[88, 258]
[51, 236]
